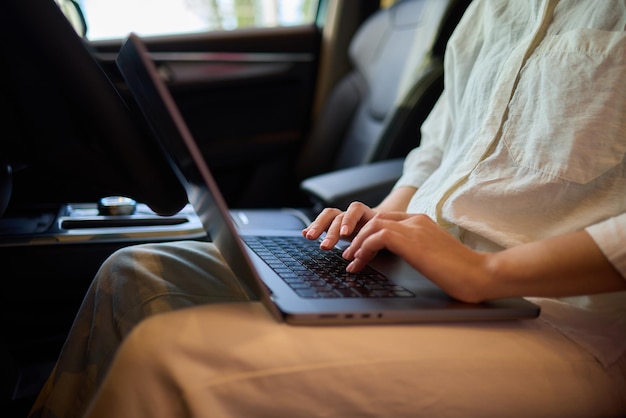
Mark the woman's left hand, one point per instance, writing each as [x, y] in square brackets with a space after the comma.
[426, 246]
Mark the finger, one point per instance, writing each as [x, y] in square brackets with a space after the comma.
[375, 224]
[368, 250]
[333, 234]
[358, 263]
[397, 216]
[321, 223]
[353, 216]
[378, 227]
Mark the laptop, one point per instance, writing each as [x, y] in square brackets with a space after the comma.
[404, 296]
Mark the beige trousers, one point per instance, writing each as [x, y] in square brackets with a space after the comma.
[205, 351]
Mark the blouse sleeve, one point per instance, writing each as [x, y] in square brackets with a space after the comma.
[422, 161]
[610, 236]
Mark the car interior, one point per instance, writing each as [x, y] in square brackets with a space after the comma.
[289, 119]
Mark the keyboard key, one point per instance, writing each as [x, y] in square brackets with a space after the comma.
[316, 273]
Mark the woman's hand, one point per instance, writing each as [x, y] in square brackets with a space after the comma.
[566, 265]
[343, 225]
[416, 238]
[427, 247]
[338, 224]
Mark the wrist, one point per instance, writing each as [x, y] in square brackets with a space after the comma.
[494, 273]
[396, 201]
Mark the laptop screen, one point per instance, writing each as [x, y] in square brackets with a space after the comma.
[168, 126]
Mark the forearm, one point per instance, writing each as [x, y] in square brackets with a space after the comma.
[567, 265]
[397, 201]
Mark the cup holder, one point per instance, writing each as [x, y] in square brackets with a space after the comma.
[114, 222]
[77, 223]
[123, 217]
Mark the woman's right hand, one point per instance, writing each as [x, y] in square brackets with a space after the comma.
[339, 224]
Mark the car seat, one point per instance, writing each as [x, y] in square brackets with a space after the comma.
[375, 112]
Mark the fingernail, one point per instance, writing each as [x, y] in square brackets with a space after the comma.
[310, 232]
[325, 244]
[344, 230]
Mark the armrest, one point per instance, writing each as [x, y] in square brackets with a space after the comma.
[368, 183]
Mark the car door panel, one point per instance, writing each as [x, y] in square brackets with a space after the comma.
[246, 96]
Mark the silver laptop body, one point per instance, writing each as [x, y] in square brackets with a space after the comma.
[426, 302]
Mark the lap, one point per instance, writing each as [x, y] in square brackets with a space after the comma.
[139, 281]
[233, 359]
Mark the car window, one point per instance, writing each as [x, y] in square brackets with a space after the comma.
[110, 19]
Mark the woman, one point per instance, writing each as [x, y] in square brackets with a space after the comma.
[516, 190]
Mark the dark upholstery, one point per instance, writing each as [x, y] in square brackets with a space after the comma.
[375, 113]
[366, 117]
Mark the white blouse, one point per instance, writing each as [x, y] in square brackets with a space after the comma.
[528, 140]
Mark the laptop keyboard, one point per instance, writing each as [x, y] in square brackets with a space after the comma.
[315, 273]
